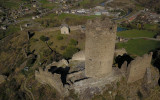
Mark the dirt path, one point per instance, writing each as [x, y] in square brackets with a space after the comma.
[26, 89]
[145, 38]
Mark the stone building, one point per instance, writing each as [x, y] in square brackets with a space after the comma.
[99, 47]
[65, 29]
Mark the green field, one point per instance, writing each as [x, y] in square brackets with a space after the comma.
[90, 3]
[152, 27]
[139, 46]
[63, 16]
[136, 33]
[53, 20]
[47, 4]
[13, 4]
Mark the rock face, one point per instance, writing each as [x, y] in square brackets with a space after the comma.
[137, 68]
[80, 56]
[61, 63]
[87, 88]
[99, 47]
[124, 68]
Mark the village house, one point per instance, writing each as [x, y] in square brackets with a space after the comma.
[65, 29]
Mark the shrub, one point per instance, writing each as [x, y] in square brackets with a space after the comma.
[73, 42]
[69, 52]
[47, 52]
[50, 43]
[34, 40]
[59, 37]
[140, 95]
[30, 62]
[44, 38]
[63, 47]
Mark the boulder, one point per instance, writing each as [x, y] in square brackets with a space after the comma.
[79, 56]
[62, 63]
[120, 52]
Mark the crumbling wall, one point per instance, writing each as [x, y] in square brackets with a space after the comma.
[54, 80]
[137, 68]
[99, 47]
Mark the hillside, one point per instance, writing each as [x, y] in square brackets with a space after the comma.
[154, 4]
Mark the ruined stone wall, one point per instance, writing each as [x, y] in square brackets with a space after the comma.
[99, 47]
[137, 68]
[54, 80]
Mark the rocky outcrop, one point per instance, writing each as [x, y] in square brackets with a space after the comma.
[80, 56]
[137, 68]
[99, 47]
[88, 87]
[120, 52]
[124, 68]
[61, 63]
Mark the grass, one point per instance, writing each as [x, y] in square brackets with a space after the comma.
[10, 30]
[47, 4]
[152, 27]
[64, 15]
[136, 33]
[139, 7]
[90, 3]
[139, 46]
[53, 20]
[12, 4]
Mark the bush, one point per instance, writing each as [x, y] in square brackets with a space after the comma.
[44, 38]
[63, 47]
[140, 95]
[50, 43]
[34, 40]
[47, 52]
[73, 42]
[69, 52]
[30, 62]
[59, 37]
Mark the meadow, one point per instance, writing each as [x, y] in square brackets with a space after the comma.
[139, 47]
[136, 33]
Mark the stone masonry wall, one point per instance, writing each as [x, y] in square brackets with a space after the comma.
[99, 47]
[137, 68]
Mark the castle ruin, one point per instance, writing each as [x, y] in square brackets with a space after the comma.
[99, 47]
[137, 68]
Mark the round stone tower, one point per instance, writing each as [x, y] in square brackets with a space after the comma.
[99, 47]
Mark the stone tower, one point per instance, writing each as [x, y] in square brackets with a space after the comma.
[99, 47]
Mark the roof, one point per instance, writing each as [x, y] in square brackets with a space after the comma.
[64, 25]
